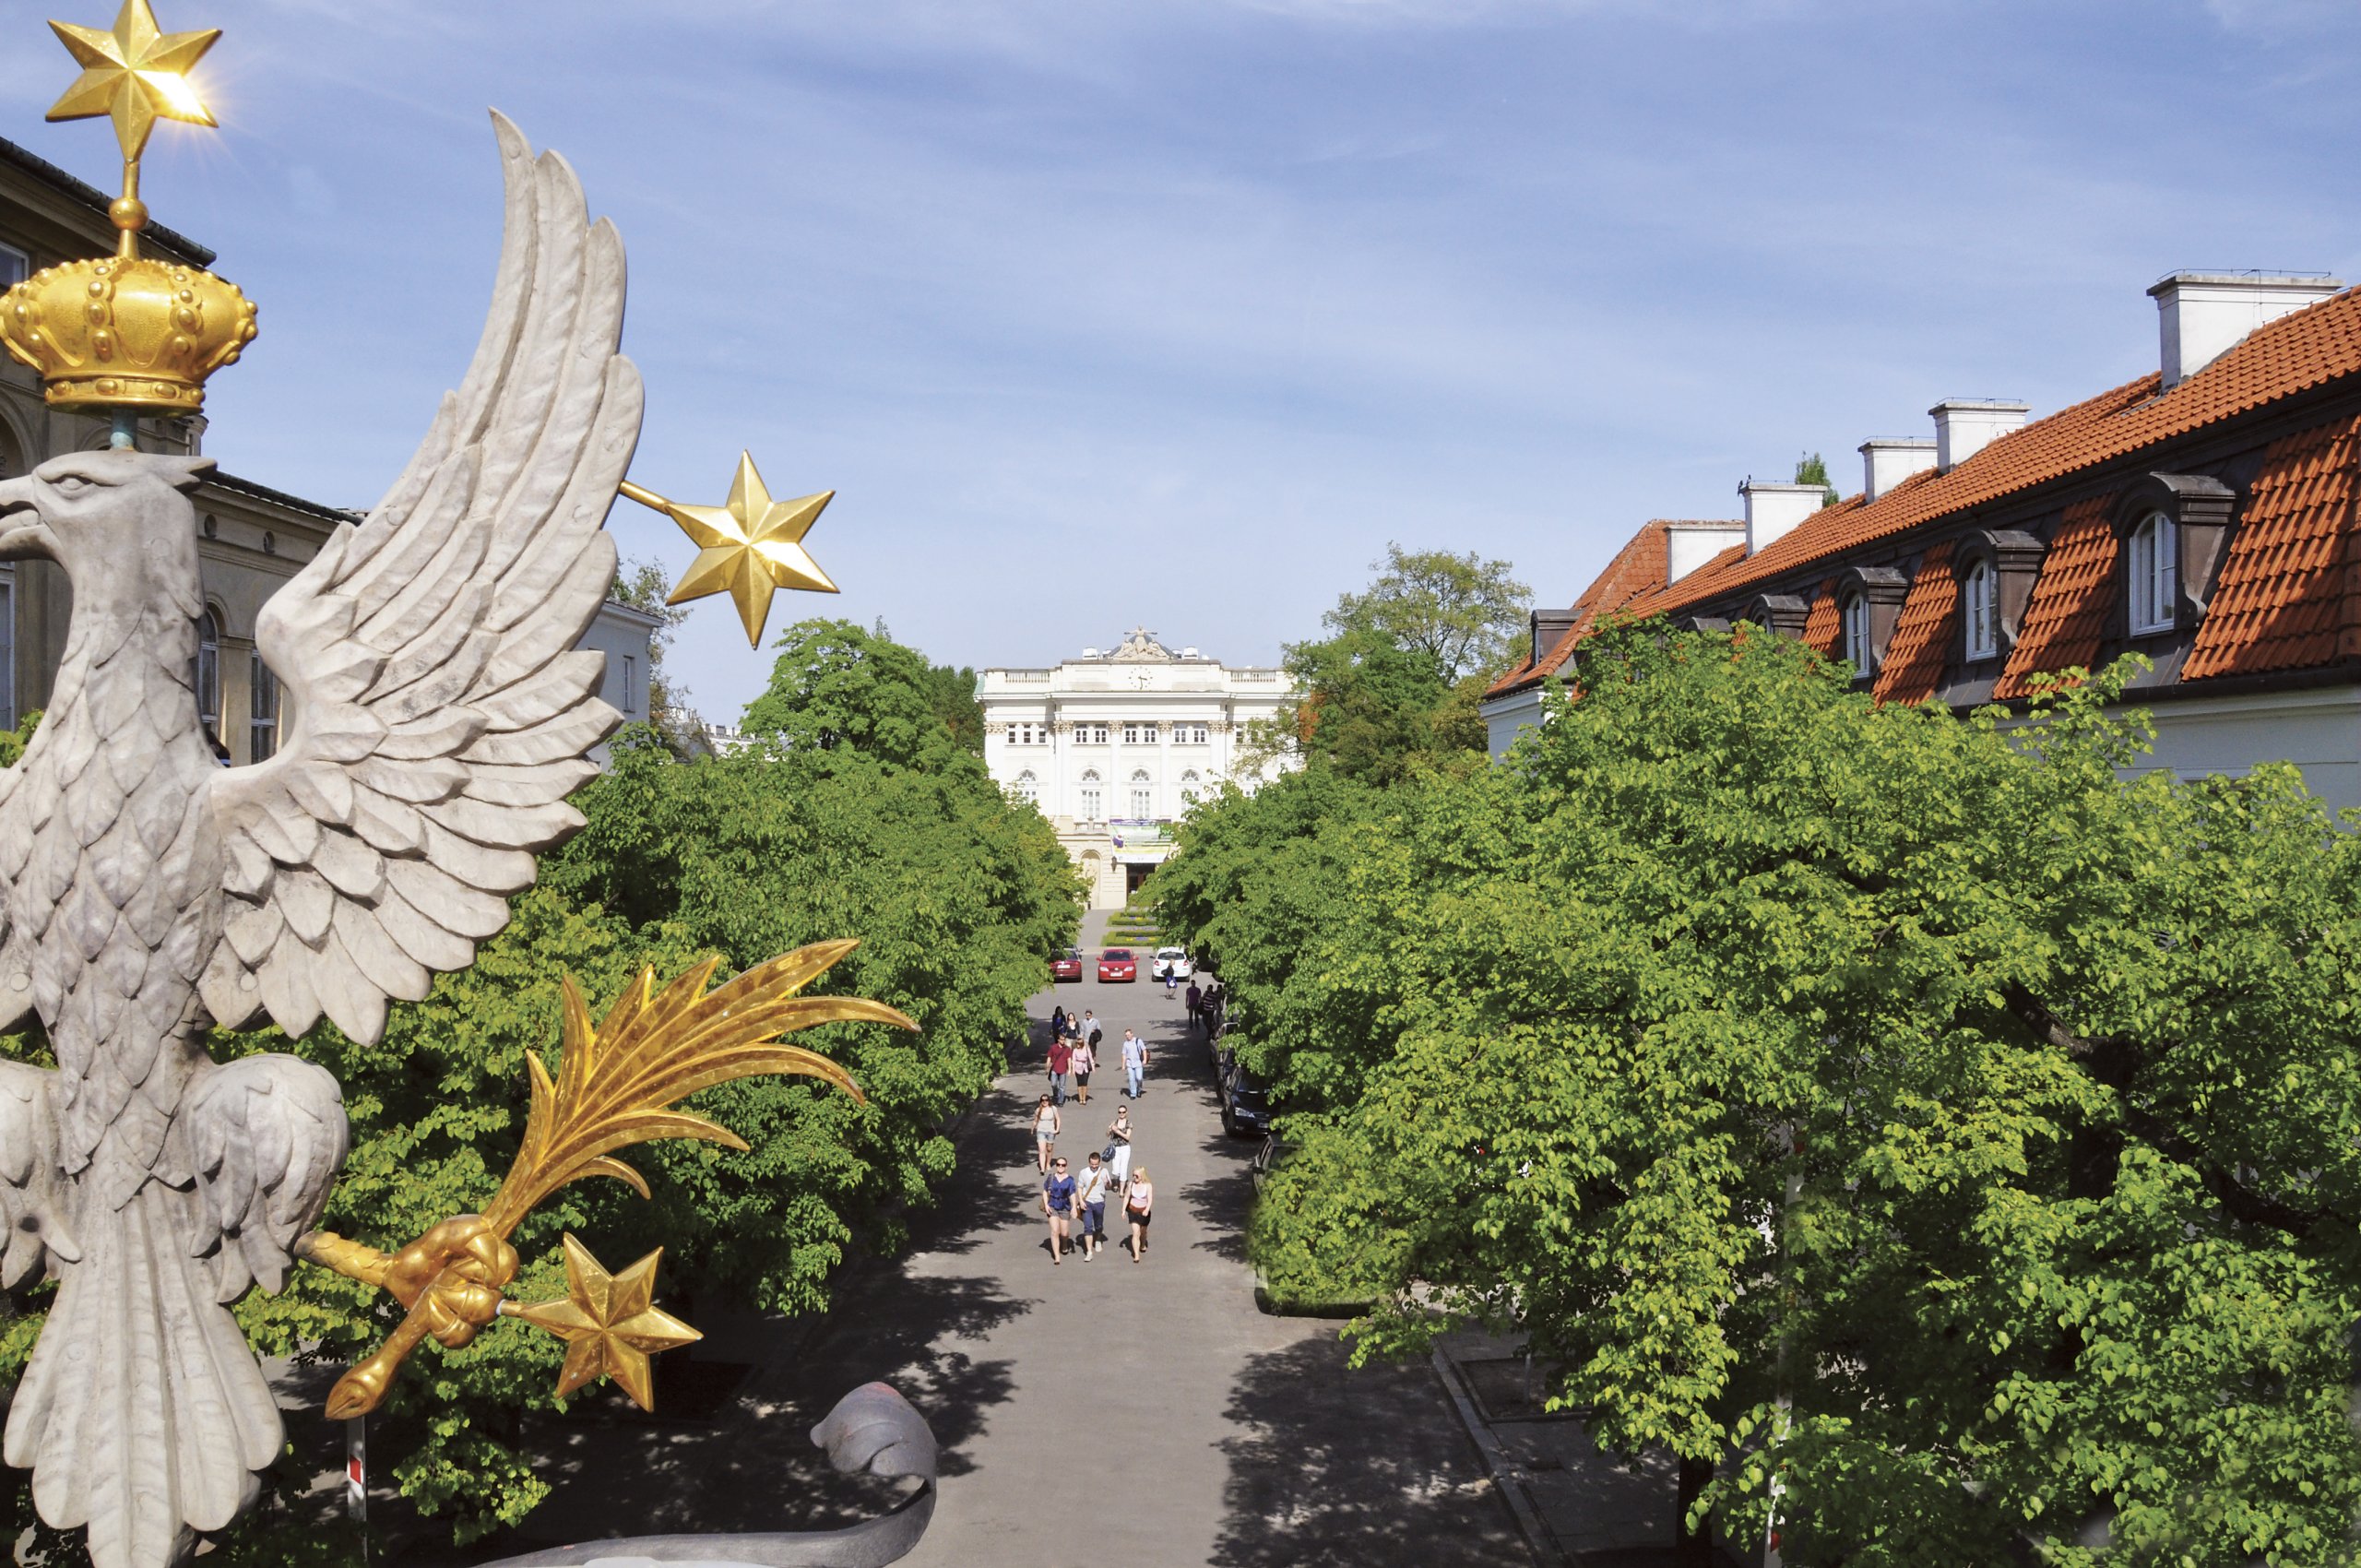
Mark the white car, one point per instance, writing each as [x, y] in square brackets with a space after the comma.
[1171, 962]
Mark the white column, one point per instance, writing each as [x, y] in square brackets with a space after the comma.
[1165, 794]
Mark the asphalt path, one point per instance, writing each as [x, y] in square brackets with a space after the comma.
[1141, 1416]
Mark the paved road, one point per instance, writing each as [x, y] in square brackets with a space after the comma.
[1139, 1416]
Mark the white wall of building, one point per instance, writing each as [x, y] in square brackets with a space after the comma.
[1111, 746]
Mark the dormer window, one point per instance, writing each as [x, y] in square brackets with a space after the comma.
[13, 266]
[1979, 603]
[2152, 559]
[1856, 620]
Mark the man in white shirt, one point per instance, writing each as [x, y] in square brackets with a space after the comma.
[1090, 1196]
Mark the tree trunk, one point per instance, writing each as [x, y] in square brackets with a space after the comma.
[1693, 1550]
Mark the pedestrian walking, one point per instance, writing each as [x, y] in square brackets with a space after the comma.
[1135, 1063]
[1084, 1060]
[1058, 1022]
[1057, 1201]
[1090, 1032]
[1092, 1184]
[1139, 1198]
[1196, 1001]
[1060, 1063]
[1044, 1133]
[1119, 1145]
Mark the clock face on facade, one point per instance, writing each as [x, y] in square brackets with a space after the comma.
[1141, 678]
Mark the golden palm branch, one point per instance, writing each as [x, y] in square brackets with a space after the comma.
[616, 1083]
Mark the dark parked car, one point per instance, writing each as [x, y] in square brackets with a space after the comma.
[1245, 1106]
[1065, 964]
[1117, 964]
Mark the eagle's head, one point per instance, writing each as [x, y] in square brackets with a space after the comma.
[95, 511]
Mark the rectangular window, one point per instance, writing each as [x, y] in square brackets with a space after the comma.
[1143, 803]
[1139, 734]
[7, 650]
[631, 685]
[1090, 735]
[263, 730]
[1090, 802]
[1856, 633]
[14, 267]
[1982, 638]
[2152, 562]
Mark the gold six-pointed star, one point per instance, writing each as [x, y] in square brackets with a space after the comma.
[749, 547]
[134, 74]
[609, 1324]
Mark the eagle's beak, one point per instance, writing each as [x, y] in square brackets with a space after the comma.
[23, 534]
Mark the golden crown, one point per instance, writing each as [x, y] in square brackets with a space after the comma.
[128, 331]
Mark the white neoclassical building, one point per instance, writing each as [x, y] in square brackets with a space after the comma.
[1113, 746]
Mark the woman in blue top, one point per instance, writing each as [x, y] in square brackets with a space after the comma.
[1057, 1201]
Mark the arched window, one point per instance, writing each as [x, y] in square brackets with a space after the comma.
[1142, 795]
[1090, 799]
[1981, 610]
[1857, 632]
[1191, 785]
[208, 673]
[1029, 789]
[2152, 559]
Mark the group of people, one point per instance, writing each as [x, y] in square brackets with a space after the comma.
[1076, 1201]
[1075, 1041]
[1206, 1005]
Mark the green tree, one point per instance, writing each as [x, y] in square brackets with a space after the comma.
[953, 693]
[835, 685]
[853, 815]
[1462, 612]
[1899, 1108]
[1813, 468]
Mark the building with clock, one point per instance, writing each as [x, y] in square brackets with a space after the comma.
[1113, 746]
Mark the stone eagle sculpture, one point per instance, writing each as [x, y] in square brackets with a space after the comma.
[440, 715]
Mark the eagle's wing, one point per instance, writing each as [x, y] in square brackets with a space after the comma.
[440, 710]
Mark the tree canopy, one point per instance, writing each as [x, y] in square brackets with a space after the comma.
[1462, 612]
[854, 811]
[1901, 1118]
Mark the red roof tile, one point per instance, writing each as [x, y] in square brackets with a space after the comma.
[1825, 627]
[2068, 615]
[1921, 641]
[1638, 568]
[2282, 600]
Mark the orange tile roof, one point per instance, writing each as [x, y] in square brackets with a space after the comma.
[1921, 643]
[2299, 350]
[1638, 568]
[2067, 614]
[1825, 626]
[2282, 601]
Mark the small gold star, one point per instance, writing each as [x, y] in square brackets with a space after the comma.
[134, 74]
[609, 1323]
[750, 547]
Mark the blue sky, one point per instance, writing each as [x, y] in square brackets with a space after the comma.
[1102, 312]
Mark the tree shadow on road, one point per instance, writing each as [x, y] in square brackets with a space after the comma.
[1220, 1203]
[1333, 1467]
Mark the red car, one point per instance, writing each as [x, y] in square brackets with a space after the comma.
[1065, 964]
[1117, 964]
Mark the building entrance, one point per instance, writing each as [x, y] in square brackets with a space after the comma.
[1133, 876]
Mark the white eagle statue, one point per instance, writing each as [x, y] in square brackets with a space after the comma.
[440, 715]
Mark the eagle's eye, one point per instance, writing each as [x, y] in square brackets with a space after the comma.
[71, 484]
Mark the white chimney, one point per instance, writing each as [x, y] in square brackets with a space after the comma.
[2202, 315]
[1964, 426]
[1885, 464]
[1688, 546]
[1772, 509]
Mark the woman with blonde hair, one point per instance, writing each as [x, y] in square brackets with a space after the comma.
[1139, 1197]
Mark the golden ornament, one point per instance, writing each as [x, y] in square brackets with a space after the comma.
[610, 1323]
[749, 547]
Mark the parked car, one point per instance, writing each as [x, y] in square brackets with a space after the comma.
[1117, 964]
[1171, 962]
[1065, 964]
[1245, 1106]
